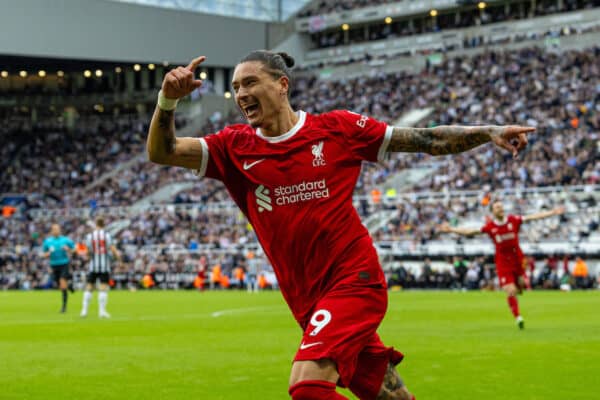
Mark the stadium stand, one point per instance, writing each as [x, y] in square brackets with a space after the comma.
[321, 7]
[373, 30]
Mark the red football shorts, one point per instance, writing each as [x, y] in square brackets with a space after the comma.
[343, 328]
[510, 273]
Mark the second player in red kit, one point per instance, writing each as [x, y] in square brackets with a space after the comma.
[293, 175]
[510, 262]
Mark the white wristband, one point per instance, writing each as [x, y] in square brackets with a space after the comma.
[165, 103]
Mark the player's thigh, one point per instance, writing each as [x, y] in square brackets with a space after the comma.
[92, 278]
[104, 279]
[56, 275]
[61, 274]
[341, 325]
[314, 370]
[507, 279]
[510, 289]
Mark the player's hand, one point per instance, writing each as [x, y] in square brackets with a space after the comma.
[511, 137]
[443, 228]
[180, 82]
[559, 210]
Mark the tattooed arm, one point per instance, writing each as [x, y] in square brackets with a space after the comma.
[166, 149]
[443, 140]
[162, 145]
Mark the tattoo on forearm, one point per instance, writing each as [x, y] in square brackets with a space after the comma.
[166, 121]
[440, 140]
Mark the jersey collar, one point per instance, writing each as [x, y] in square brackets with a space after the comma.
[276, 139]
[503, 222]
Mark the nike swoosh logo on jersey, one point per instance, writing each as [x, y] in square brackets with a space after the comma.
[252, 164]
[306, 346]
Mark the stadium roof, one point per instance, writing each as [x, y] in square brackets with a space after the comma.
[263, 10]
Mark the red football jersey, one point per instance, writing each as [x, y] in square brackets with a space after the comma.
[296, 191]
[506, 239]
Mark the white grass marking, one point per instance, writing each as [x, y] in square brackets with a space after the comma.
[215, 314]
[230, 311]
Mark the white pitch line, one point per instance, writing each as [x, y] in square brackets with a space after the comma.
[230, 311]
[214, 314]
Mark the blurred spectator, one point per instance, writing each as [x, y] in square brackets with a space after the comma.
[581, 275]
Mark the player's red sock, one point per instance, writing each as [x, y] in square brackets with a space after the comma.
[514, 305]
[315, 390]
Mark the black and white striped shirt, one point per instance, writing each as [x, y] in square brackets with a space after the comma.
[98, 243]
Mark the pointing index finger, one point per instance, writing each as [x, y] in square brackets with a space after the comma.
[195, 62]
[516, 129]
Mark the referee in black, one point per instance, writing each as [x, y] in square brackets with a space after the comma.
[99, 243]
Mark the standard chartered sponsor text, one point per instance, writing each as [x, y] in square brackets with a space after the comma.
[303, 191]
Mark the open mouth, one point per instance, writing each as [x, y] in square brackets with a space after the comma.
[251, 110]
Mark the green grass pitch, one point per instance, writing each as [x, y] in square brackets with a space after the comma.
[235, 345]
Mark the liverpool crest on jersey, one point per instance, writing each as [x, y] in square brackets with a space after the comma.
[317, 152]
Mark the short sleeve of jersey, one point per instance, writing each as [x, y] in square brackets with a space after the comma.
[367, 138]
[517, 220]
[70, 243]
[215, 159]
[486, 227]
[45, 246]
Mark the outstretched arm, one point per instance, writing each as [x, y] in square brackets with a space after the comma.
[470, 232]
[115, 252]
[544, 214]
[162, 145]
[454, 139]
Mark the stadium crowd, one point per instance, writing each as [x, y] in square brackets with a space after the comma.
[558, 93]
[320, 7]
[543, 7]
[416, 220]
[162, 238]
[64, 161]
[426, 24]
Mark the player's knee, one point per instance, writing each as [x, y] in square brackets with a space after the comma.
[313, 390]
[511, 290]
